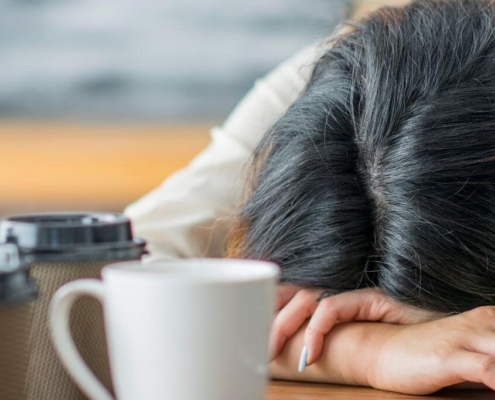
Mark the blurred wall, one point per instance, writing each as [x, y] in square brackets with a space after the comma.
[100, 100]
[147, 60]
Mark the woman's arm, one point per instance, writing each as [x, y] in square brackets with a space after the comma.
[349, 351]
[415, 359]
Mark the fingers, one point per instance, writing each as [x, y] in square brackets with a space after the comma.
[291, 318]
[472, 367]
[480, 342]
[477, 328]
[284, 294]
[475, 361]
[359, 305]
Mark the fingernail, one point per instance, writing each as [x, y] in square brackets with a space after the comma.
[303, 359]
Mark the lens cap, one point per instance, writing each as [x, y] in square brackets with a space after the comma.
[71, 233]
[16, 286]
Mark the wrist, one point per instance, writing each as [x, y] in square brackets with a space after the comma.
[353, 349]
[371, 343]
[350, 355]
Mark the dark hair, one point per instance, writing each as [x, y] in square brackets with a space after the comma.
[382, 173]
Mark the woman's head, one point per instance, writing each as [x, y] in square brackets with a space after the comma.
[382, 173]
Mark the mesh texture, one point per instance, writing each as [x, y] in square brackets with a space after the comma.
[15, 324]
[47, 379]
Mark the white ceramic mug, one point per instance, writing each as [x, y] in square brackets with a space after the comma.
[182, 330]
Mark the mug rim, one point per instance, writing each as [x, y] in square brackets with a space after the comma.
[266, 270]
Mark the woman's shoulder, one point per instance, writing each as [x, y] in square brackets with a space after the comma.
[271, 96]
[291, 77]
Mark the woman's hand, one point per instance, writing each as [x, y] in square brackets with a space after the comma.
[414, 359]
[360, 305]
[423, 358]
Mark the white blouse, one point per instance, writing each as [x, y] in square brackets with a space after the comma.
[190, 213]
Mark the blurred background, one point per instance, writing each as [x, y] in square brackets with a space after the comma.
[100, 100]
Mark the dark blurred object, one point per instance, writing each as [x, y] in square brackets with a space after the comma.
[148, 60]
[61, 248]
[17, 291]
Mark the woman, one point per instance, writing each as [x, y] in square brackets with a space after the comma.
[377, 181]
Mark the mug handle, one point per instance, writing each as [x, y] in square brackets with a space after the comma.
[60, 307]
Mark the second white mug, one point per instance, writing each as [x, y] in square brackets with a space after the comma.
[183, 330]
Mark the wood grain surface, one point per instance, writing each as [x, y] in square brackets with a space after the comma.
[281, 390]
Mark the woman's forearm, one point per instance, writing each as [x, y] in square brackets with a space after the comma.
[349, 354]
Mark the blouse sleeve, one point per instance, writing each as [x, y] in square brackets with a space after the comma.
[189, 214]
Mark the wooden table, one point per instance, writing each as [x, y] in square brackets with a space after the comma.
[281, 390]
[63, 166]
